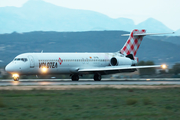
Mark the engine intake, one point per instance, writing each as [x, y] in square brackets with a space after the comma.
[114, 61]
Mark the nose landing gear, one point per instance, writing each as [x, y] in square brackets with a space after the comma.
[15, 77]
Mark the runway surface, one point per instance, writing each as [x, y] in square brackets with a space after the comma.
[41, 82]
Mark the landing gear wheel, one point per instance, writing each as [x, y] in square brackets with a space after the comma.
[75, 77]
[16, 79]
[97, 77]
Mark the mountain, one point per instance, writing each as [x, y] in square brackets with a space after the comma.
[14, 44]
[171, 39]
[128, 24]
[153, 26]
[177, 32]
[38, 15]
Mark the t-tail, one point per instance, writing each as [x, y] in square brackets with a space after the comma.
[132, 45]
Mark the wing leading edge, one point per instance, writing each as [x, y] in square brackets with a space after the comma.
[116, 68]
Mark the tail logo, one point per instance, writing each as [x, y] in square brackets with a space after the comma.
[133, 43]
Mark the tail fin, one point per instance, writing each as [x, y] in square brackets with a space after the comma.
[133, 42]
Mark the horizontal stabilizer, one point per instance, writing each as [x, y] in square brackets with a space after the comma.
[144, 34]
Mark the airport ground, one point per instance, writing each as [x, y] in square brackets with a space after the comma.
[127, 99]
[107, 103]
[58, 84]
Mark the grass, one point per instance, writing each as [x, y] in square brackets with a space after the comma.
[91, 104]
[131, 101]
[1, 103]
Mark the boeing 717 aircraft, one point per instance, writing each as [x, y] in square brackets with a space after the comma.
[77, 64]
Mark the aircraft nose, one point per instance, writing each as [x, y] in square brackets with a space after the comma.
[8, 68]
[11, 68]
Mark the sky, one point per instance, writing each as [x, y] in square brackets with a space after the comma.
[166, 11]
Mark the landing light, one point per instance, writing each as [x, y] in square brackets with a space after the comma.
[164, 66]
[15, 75]
[44, 69]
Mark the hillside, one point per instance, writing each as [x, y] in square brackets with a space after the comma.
[38, 15]
[152, 25]
[95, 41]
[170, 39]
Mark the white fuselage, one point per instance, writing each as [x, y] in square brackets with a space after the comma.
[77, 64]
[61, 63]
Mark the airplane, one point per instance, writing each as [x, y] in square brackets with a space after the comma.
[78, 64]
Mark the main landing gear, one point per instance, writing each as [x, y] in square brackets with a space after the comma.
[75, 77]
[97, 77]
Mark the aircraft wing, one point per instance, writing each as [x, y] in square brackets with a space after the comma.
[116, 68]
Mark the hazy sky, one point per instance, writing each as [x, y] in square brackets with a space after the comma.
[166, 11]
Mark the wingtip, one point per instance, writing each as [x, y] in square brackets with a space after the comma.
[125, 34]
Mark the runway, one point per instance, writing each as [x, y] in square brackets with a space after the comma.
[49, 82]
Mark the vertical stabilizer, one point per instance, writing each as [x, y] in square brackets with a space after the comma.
[133, 42]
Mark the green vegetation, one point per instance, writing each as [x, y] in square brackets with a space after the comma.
[146, 71]
[175, 69]
[91, 104]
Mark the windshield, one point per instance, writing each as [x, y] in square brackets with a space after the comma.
[21, 59]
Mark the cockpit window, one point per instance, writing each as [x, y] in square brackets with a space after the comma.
[24, 59]
[21, 59]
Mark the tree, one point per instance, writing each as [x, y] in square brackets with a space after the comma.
[146, 71]
[175, 69]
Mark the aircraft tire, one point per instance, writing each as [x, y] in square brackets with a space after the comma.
[97, 77]
[16, 79]
[75, 77]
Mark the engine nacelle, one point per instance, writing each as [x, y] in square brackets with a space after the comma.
[117, 61]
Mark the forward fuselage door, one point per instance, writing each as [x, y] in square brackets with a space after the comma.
[32, 62]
